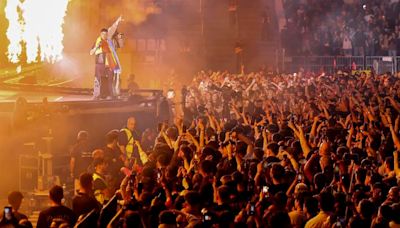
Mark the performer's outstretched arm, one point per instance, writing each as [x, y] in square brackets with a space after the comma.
[113, 28]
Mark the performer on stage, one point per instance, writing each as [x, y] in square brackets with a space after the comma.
[107, 62]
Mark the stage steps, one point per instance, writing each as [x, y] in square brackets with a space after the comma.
[34, 217]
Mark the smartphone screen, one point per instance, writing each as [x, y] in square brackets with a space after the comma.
[252, 209]
[300, 177]
[265, 189]
[8, 213]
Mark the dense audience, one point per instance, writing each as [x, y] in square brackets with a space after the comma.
[340, 27]
[253, 150]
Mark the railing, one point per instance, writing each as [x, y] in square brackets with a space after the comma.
[330, 64]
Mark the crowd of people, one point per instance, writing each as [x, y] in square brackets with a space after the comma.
[248, 150]
[340, 27]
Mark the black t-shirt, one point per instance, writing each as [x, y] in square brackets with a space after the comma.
[275, 188]
[58, 212]
[19, 216]
[272, 159]
[83, 204]
[83, 158]
[16, 217]
[112, 158]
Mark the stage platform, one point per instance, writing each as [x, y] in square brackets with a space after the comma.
[72, 97]
[67, 111]
[34, 83]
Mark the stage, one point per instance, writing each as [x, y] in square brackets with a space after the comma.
[67, 111]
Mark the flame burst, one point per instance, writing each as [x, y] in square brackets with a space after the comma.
[37, 24]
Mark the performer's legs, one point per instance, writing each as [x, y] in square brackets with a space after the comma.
[104, 87]
[108, 83]
[99, 72]
[116, 84]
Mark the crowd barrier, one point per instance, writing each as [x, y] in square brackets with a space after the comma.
[330, 64]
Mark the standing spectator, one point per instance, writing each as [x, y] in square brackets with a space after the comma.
[56, 210]
[370, 44]
[113, 156]
[347, 46]
[392, 45]
[297, 216]
[384, 44]
[84, 201]
[132, 85]
[326, 205]
[359, 43]
[100, 186]
[15, 199]
[126, 140]
[81, 157]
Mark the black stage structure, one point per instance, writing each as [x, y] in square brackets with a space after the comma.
[36, 136]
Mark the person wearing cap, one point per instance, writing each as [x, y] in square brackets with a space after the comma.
[81, 157]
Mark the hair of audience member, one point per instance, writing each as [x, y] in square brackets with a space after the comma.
[56, 194]
[367, 209]
[224, 193]
[163, 160]
[97, 153]
[207, 166]
[241, 148]
[361, 174]
[319, 181]
[280, 200]
[167, 217]
[86, 181]
[273, 147]
[277, 171]
[395, 213]
[279, 219]
[389, 162]
[172, 133]
[193, 198]
[133, 220]
[311, 205]
[15, 199]
[112, 136]
[82, 136]
[326, 201]
[277, 137]
[98, 161]
[187, 152]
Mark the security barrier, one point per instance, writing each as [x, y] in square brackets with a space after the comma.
[330, 64]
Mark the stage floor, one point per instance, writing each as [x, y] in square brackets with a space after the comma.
[12, 95]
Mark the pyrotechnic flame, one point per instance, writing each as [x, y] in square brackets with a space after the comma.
[38, 25]
[14, 32]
